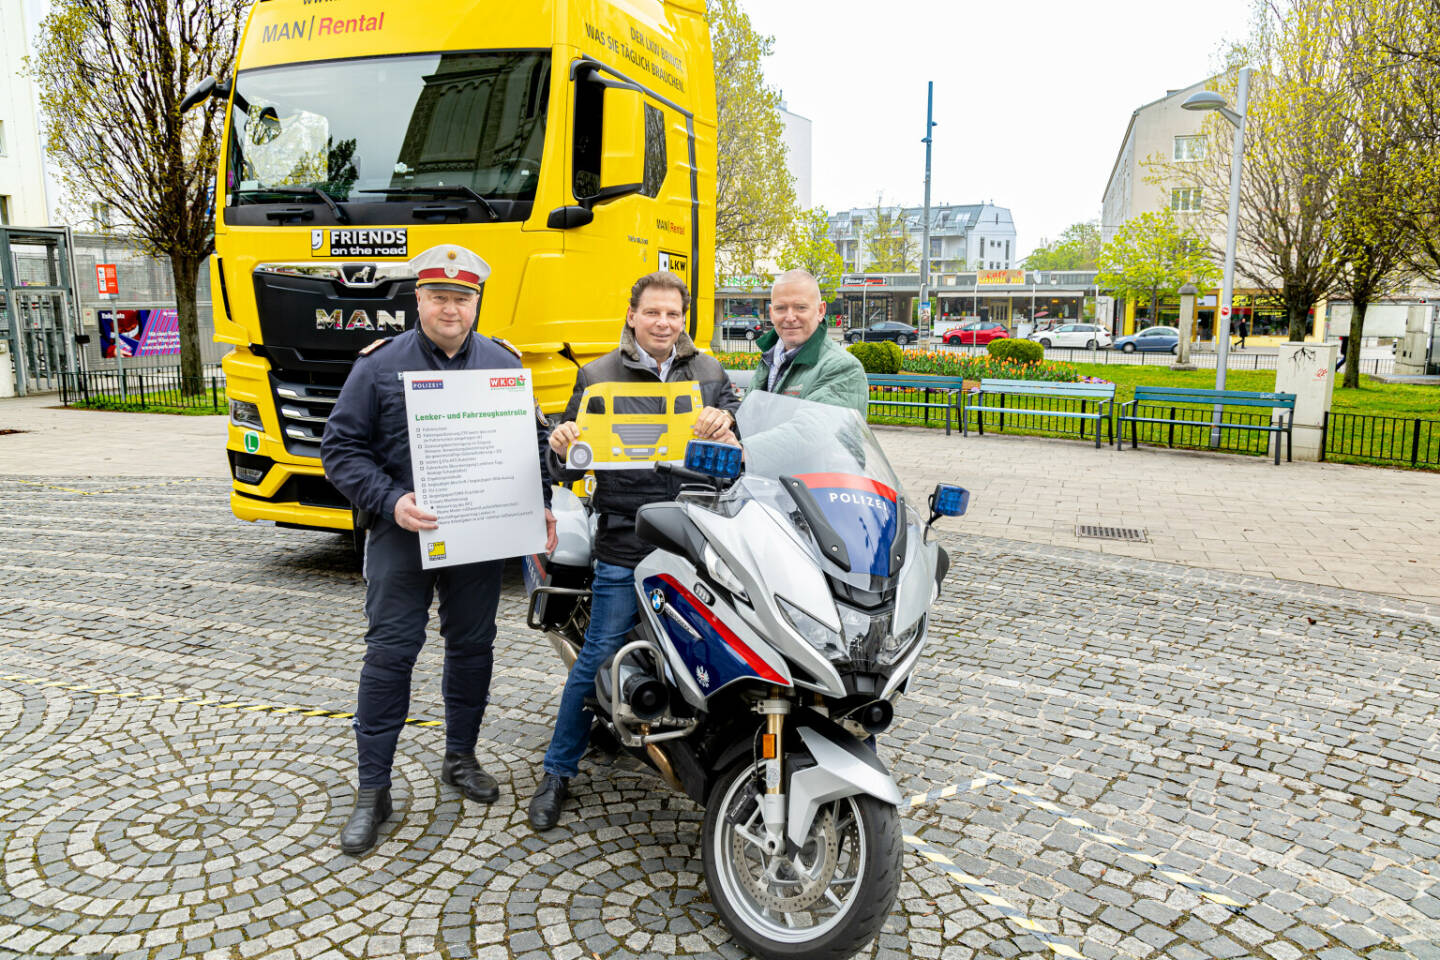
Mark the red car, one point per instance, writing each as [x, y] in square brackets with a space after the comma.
[976, 331]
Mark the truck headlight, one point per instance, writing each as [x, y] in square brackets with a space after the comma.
[816, 634]
[245, 414]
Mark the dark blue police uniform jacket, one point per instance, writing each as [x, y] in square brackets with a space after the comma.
[366, 448]
[366, 453]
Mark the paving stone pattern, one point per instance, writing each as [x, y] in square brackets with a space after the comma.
[1275, 741]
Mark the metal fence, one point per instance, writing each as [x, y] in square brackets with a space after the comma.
[1412, 441]
[924, 406]
[143, 389]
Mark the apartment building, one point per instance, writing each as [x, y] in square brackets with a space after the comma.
[978, 236]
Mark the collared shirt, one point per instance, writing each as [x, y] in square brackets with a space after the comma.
[444, 362]
[662, 370]
[779, 359]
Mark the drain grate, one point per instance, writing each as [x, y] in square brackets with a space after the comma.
[1129, 534]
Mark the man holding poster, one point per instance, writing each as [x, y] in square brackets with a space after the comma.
[367, 455]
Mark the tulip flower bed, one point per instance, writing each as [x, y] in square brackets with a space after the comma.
[941, 363]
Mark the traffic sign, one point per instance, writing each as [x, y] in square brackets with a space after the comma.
[106, 278]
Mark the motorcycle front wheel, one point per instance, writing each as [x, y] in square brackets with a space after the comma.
[827, 902]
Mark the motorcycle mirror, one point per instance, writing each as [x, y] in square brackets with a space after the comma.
[949, 500]
[719, 460]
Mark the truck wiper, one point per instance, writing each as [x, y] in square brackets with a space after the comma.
[455, 191]
[315, 192]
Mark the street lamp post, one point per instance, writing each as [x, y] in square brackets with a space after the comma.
[1209, 100]
[923, 308]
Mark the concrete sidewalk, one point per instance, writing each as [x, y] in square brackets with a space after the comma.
[1364, 528]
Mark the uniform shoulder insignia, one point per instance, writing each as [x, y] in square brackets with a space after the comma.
[508, 346]
[374, 345]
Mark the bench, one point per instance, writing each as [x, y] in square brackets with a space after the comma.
[948, 388]
[1175, 396]
[1102, 395]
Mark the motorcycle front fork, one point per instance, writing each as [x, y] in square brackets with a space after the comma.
[772, 801]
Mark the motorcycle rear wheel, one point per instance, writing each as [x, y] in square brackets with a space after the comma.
[827, 903]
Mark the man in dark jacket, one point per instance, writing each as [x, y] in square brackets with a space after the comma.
[366, 453]
[654, 348]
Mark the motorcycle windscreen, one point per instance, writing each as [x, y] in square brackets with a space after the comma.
[863, 512]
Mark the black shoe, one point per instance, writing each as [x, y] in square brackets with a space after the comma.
[372, 808]
[463, 770]
[549, 798]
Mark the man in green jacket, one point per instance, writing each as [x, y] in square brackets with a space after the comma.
[798, 357]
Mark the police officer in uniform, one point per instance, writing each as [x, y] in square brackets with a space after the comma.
[366, 453]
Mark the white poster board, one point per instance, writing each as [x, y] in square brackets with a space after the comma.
[476, 465]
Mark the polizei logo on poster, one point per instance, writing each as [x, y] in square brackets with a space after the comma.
[383, 242]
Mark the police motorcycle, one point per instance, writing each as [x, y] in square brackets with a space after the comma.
[782, 614]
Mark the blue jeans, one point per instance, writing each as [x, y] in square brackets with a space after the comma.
[613, 612]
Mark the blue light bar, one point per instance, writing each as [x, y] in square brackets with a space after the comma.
[950, 500]
[715, 459]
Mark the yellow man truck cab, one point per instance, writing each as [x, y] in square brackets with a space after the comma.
[569, 143]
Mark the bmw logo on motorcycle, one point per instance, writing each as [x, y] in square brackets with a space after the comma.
[657, 600]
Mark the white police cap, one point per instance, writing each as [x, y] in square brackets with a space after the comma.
[450, 267]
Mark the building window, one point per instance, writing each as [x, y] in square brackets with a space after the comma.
[4, 211]
[100, 213]
[937, 248]
[1007, 251]
[2, 138]
[1185, 199]
[1189, 148]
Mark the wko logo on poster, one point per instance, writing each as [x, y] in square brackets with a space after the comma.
[512, 383]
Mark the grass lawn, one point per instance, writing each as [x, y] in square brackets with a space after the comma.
[171, 401]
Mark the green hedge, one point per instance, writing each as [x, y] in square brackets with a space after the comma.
[882, 357]
[1021, 351]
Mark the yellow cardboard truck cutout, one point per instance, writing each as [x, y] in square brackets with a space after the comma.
[630, 426]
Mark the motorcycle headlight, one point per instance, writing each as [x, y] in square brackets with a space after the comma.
[721, 573]
[816, 634]
[898, 644]
[245, 414]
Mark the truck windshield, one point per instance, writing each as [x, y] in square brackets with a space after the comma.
[451, 125]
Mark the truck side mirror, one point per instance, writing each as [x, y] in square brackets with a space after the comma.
[622, 148]
[198, 94]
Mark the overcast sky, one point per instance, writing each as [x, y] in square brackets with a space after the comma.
[1031, 98]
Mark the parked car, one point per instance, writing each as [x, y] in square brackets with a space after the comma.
[741, 328]
[1087, 335]
[901, 333]
[1151, 339]
[976, 331]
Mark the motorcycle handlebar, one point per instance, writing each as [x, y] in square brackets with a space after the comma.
[685, 473]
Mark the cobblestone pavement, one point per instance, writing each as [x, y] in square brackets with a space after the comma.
[1160, 735]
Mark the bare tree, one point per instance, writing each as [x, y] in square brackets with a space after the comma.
[1287, 236]
[755, 205]
[111, 76]
[1378, 171]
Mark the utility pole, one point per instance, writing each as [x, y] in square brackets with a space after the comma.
[924, 311]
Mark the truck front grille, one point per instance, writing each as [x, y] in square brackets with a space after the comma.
[640, 434]
[303, 401]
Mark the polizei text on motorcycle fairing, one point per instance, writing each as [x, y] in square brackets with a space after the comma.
[861, 500]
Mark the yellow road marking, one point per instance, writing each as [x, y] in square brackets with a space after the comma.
[249, 705]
